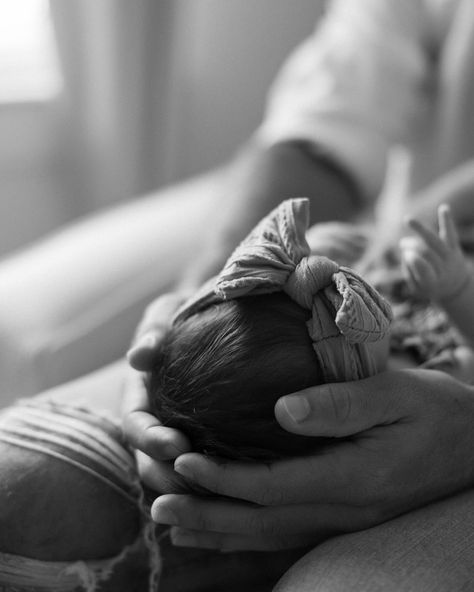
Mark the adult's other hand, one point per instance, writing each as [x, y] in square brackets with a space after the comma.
[143, 430]
[402, 440]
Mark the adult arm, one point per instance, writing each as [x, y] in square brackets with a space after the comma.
[258, 179]
[456, 189]
[402, 440]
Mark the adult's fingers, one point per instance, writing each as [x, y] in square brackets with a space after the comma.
[142, 429]
[342, 409]
[142, 354]
[182, 537]
[152, 328]
[334, 474]
[144, 432]
[159, 476]
[324, 478]
[135, 397]
[159, 313]
[237, 518]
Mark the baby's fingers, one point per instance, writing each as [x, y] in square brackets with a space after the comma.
[429, 237]
[447, 228]
[419, 271]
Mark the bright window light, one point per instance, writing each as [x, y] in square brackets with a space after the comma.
[29, 69]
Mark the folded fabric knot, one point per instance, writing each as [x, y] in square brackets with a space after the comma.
[362, 314]
[311, 274]
[346, 311]
[263, 262]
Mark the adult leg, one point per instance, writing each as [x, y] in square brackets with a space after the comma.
[71, 507]
[70, 303]
[43, 488]
[428, 550]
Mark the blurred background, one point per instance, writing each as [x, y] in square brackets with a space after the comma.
[105, 100]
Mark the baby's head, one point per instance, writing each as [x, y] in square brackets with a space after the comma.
[275, 321]
[222, 370]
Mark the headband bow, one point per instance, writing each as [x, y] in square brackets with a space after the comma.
[346, 311]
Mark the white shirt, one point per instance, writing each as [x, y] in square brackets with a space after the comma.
[377, 73]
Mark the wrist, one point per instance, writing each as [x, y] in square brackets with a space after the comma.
[463, 287]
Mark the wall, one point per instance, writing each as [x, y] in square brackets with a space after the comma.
[202, 104]
[226, 53]
[31, 194]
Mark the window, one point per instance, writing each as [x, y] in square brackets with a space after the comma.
[29, 69]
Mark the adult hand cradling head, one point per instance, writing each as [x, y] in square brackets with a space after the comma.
[405, 441]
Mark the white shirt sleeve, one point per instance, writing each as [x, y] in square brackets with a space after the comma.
[355, 86]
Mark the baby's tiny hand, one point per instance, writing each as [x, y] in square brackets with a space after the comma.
[434, 265]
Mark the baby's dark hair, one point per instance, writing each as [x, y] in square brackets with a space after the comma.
[222, 369]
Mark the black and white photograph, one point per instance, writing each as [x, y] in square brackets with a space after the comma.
[236, 295]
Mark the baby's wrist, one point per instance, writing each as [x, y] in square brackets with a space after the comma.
[459, 290]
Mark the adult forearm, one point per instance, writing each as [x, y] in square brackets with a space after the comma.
[257, 180]
[455, 188]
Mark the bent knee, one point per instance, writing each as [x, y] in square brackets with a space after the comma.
[52, 511]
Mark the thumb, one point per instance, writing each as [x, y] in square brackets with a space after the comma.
[340, 409]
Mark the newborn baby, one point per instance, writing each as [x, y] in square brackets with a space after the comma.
[275, 320]
[278, 319]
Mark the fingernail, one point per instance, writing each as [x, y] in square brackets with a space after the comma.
[184, 471]
[297, 407]
[163, 515]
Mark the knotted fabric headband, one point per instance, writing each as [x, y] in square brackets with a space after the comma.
[347, 312]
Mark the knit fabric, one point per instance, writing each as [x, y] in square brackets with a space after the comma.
[346, 311]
